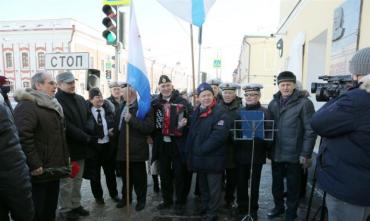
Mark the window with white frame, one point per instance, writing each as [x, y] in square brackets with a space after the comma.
[41, 59]
[9, 59]
[25, 62]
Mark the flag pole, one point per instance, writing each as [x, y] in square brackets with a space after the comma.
[127, 159]
[128, 141]
[192, 60]
[199, 57]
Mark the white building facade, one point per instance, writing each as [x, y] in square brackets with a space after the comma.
[23, 45]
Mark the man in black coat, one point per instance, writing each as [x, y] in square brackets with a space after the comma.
[215, 84]
[205, 149]
[293, 144]
[231, 106]
[75, 112]
[169, 147]
[100, 154]
[15, 182]
[139, 129]
[244, 150]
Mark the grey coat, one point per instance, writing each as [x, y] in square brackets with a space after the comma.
[294, 136]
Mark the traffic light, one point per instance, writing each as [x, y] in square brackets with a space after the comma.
[110, 23]
[113, 29]
[275, 79]
[108, 74]
[92, 78]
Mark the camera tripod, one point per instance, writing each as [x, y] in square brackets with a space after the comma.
[322, 209]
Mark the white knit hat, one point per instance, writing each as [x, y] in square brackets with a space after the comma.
[360, 62]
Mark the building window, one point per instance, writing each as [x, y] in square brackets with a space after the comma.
[11, 86]
[9, 60]
[26, 84]
[24, 59]
[41, 59]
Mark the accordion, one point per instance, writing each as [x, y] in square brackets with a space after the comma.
[172, 115]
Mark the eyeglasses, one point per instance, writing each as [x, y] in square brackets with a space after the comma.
[251, 95]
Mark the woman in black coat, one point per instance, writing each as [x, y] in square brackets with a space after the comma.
[100, 152]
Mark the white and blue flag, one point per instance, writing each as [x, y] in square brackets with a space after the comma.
[136, 71]
[192, 11]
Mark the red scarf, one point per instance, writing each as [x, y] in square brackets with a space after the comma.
[209, 109]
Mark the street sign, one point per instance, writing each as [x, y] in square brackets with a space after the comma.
[67, 61]
[116, 2]
[217, 63]
[108, 66]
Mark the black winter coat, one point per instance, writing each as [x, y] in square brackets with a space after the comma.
[178, 151]
[261, 147]
[15, 183]
[205, 144]
[232, 111]
[294, 135]
[139, 130]
[75, 112]
[344, 157]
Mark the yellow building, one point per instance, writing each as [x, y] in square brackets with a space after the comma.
[314, 38]
[320, 36]
[257, 64]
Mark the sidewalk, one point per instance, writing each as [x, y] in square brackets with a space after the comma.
[109, 212]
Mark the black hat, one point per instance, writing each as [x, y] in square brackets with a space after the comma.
[286, 76]
[164, 79]
[94, 92]
[204, 87]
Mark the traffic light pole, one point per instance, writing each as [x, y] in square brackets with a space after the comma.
[118, 48]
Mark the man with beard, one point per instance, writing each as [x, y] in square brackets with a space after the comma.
[171, 114]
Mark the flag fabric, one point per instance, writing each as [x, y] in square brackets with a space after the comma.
[192, 11]
[136, 71]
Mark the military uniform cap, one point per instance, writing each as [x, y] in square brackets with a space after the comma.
[229, 86]
[216, 82]
[114, 84]
[164, 79]
[252, 87]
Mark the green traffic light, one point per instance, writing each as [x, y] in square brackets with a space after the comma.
[110, 37]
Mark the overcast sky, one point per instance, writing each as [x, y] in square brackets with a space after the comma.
[166, 37]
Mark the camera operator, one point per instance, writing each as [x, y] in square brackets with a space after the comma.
[343, 169]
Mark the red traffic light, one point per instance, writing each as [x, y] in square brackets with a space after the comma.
[109, 11]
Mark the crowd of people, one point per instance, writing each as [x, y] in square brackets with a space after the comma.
[54, 138]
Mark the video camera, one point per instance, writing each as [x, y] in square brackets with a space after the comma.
[337, 85]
